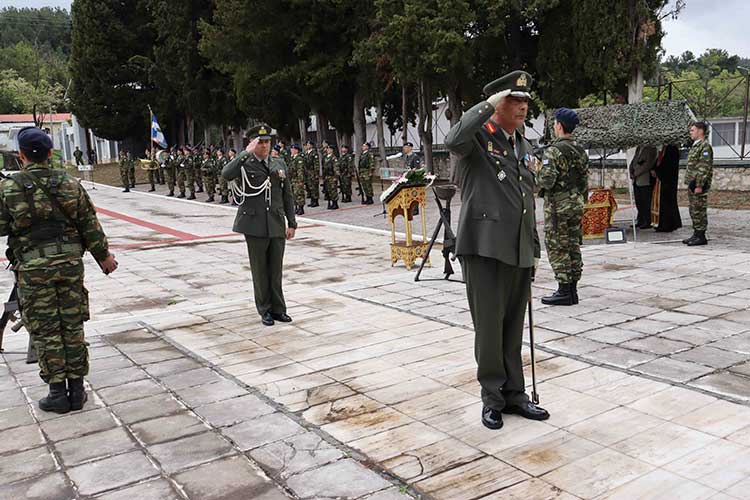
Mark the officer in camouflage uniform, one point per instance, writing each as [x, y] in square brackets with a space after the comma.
[50, 222]
[208, 169]
[563, 178]
[346, 169]
[497, 240]
[313, 175]
[296, 169]
[197, 171]
[698, 179]
[124, 169]
[182, 167]
[221, 160]
[331, 178]
[170, 169]
[366, 167]
[190, 171]
[131, 170]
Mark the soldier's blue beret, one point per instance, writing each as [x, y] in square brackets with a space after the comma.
[277, 148]
[309, 143]
[567, 117]
[296, 146]
[34, 139]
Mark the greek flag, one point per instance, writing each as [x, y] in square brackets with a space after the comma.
[157, 135]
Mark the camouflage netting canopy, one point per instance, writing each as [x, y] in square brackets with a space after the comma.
[623, 126]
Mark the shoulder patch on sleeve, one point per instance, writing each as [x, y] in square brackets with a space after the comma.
[705, 153]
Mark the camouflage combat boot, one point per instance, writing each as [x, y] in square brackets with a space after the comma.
[688, 240]
[562, 297]
[76, 393]
[57, 400]
[574, 292]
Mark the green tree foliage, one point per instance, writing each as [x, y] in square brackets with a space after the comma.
[109, 91]
[47, 29]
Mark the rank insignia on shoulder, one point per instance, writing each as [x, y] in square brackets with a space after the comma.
[489, 147]
[501, 175]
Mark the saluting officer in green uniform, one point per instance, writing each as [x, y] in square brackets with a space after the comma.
[265, 203]
[698, 177]
[497, 239]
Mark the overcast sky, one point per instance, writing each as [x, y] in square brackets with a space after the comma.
[703, 24]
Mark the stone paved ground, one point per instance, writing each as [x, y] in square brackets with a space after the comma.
[371, 390]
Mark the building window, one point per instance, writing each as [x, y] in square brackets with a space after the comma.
[723, 134]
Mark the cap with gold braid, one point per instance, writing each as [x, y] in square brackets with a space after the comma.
[262, 132]
[518, 82]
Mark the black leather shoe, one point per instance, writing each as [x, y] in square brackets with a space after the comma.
[686, 240]
[492, 419]
[267, 319]
[283, 317]
[527, 410]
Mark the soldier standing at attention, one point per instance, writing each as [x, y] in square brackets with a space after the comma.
[283, 152]
[698, 179]
[297, 178]
[170, 169]
[50, 222]
[208, 169]
[313, 176]
[153, 166]
[124, 169]
[497, 239]
[190, 171]
[231, 156]
[131, 170]
[181, 171]
[78, 155]
[266, 202]
[221, 160]
[331, 178]
[563, 178]
[346, 165]
[366, 166]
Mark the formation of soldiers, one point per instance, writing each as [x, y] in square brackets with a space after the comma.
[194, 170]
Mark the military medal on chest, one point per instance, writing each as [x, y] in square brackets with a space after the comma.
[501, 175]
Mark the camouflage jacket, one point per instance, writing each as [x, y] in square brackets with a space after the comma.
[564, 175]
[39, 236]
[346, 164]
[366, 161]
[311, 160]
[124, 162]
[296, 167]
[208, 166]
[700, 164]
[330, 166]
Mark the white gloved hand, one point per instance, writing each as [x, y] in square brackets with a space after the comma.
[495, 99]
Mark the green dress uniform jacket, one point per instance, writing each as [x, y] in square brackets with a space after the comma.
[255, 216]
[497, 191]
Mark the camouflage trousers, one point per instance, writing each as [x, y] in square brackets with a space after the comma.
[153, 176]
[345, 181]
[54, 305]
[365, 178]
[313, 184]
[192, 180]
[183, 178]
[209, 183]
[298, 189]
[223, 186]
[169, 171]
[698, 210]
[131, 174]
[331, 187]
[562, 239]
[125, 177]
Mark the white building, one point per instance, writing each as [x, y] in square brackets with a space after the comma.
[66, 134]
[725, 135]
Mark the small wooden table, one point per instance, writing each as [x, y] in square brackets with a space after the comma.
[402, 203]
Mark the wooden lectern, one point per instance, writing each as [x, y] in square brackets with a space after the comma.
[402, 202]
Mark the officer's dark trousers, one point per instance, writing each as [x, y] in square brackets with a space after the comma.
[642, 195]
[498, 294]
[266, 258]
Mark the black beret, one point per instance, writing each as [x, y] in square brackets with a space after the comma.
[34, 139]
[409, 144]
[309, 143]
[518, 82]
[567, 117]
[296, 146]
[277, 148]
[345, 146]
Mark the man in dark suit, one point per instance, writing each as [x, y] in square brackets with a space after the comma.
[497, 239]
[265, 202]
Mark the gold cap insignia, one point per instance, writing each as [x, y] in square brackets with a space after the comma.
[521, 82]
[262, 131]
